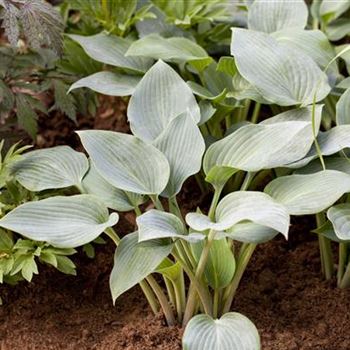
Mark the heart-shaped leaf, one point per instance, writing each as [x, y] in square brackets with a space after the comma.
[174, 49]
[271, 16]
[126, 162]
[134, 261]
[309, 194]
[267, 145]
[282, 75]
[108, 83]
[250, 232]
[240, 206]
[64, 222]
[232, 331]
[114, 198]
[155, 224]
[159, 98]
[56, 167]
[183, 145]
[111, 49]
[330, 142]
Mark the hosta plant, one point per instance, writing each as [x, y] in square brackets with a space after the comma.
[278, 65]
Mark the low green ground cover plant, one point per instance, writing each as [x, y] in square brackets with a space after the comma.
[263, 127]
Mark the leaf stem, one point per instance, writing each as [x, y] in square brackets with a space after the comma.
[256, 111]
[243, 260]
[191, 302]
[163, 301]
[343, 250]
[325, 250]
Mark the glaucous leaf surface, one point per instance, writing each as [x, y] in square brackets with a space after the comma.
[271, 16]
[250, 232]
[183, 145]
[330, 142]
[343, 108]
[339, 215]
[114, 198]
[172, 49]
[232, 331]
[221, 265]
[108, 83]
[134, 261]
[314, 43]
[126, 162]
[241, 206]
[272, 143]
[337, 29]
[50, 168]
[309, 194]
[332, 163]
[159, 98]
[65, 222]
[282, 75]
[111, 49]
[155, 224]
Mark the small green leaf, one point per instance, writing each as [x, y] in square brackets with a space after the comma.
[232, 331]
[343, 108]
[339, 216]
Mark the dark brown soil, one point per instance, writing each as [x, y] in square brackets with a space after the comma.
[282, 292]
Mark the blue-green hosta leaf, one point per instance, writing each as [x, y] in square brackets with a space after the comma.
[159, 98]
[183, 145]
[174, 49]
[227, 65]
[332, 163]
[250, 232]
[338, 29]
[314, 43]
[232, 331]
[309, 194]
[272, 143]
[108, 83]
[126, 162]
[271, 16]
[282, 75]
[343, 108]
[241, 206]
[114, 198]
[339, 215]
[65, 222]
[327, 231]
[56, 167]
[344, 84]
[155, 224]
[330, 10]
[134, 261]
[330, 142]
[207, 111]
[111, 49]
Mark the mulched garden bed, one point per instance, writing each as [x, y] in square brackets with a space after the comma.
[282, 292]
